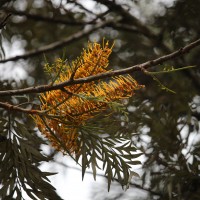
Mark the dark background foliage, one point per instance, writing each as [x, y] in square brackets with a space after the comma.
[163, 125]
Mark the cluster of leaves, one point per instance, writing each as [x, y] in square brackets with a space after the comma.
[20, 160]
[172, 153]
[68, 124]
[102, 144]
[113, 153]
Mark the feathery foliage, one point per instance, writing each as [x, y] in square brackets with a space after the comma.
[68, 110]
[20, 159]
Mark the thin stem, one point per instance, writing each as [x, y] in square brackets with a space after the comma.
[170, 70]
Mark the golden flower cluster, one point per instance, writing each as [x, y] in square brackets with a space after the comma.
[73, 106]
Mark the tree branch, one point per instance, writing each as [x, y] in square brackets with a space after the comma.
[46, 19]
[58, 44]
[54, 20]
[128, 18]
[119, 26]
[131, 23]
[4, 21]
[82, 7]
[138, 67]
[8, 106]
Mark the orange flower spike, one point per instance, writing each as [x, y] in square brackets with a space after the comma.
[75, 110]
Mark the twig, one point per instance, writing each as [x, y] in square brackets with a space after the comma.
[138, 67]
[8, 106]
[4, 21]
[81, 6]
[46, 18]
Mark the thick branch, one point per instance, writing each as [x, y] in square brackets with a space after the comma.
[139, 67]
[58, 44]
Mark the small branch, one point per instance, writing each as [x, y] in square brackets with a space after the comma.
[139, 67]
[4, 21]
[133, 24]
[128, 18]
[8, 106]
[82, 7]
[47, 19]
[54, 20]
[58, 44]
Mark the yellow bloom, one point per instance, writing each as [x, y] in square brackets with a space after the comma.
[70, 108]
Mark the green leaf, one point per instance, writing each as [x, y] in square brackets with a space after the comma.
[19, 168]
[94, 166]
[132, 156]
[117, 166]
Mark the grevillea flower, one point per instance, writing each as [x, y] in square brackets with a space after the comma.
[73, 106]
